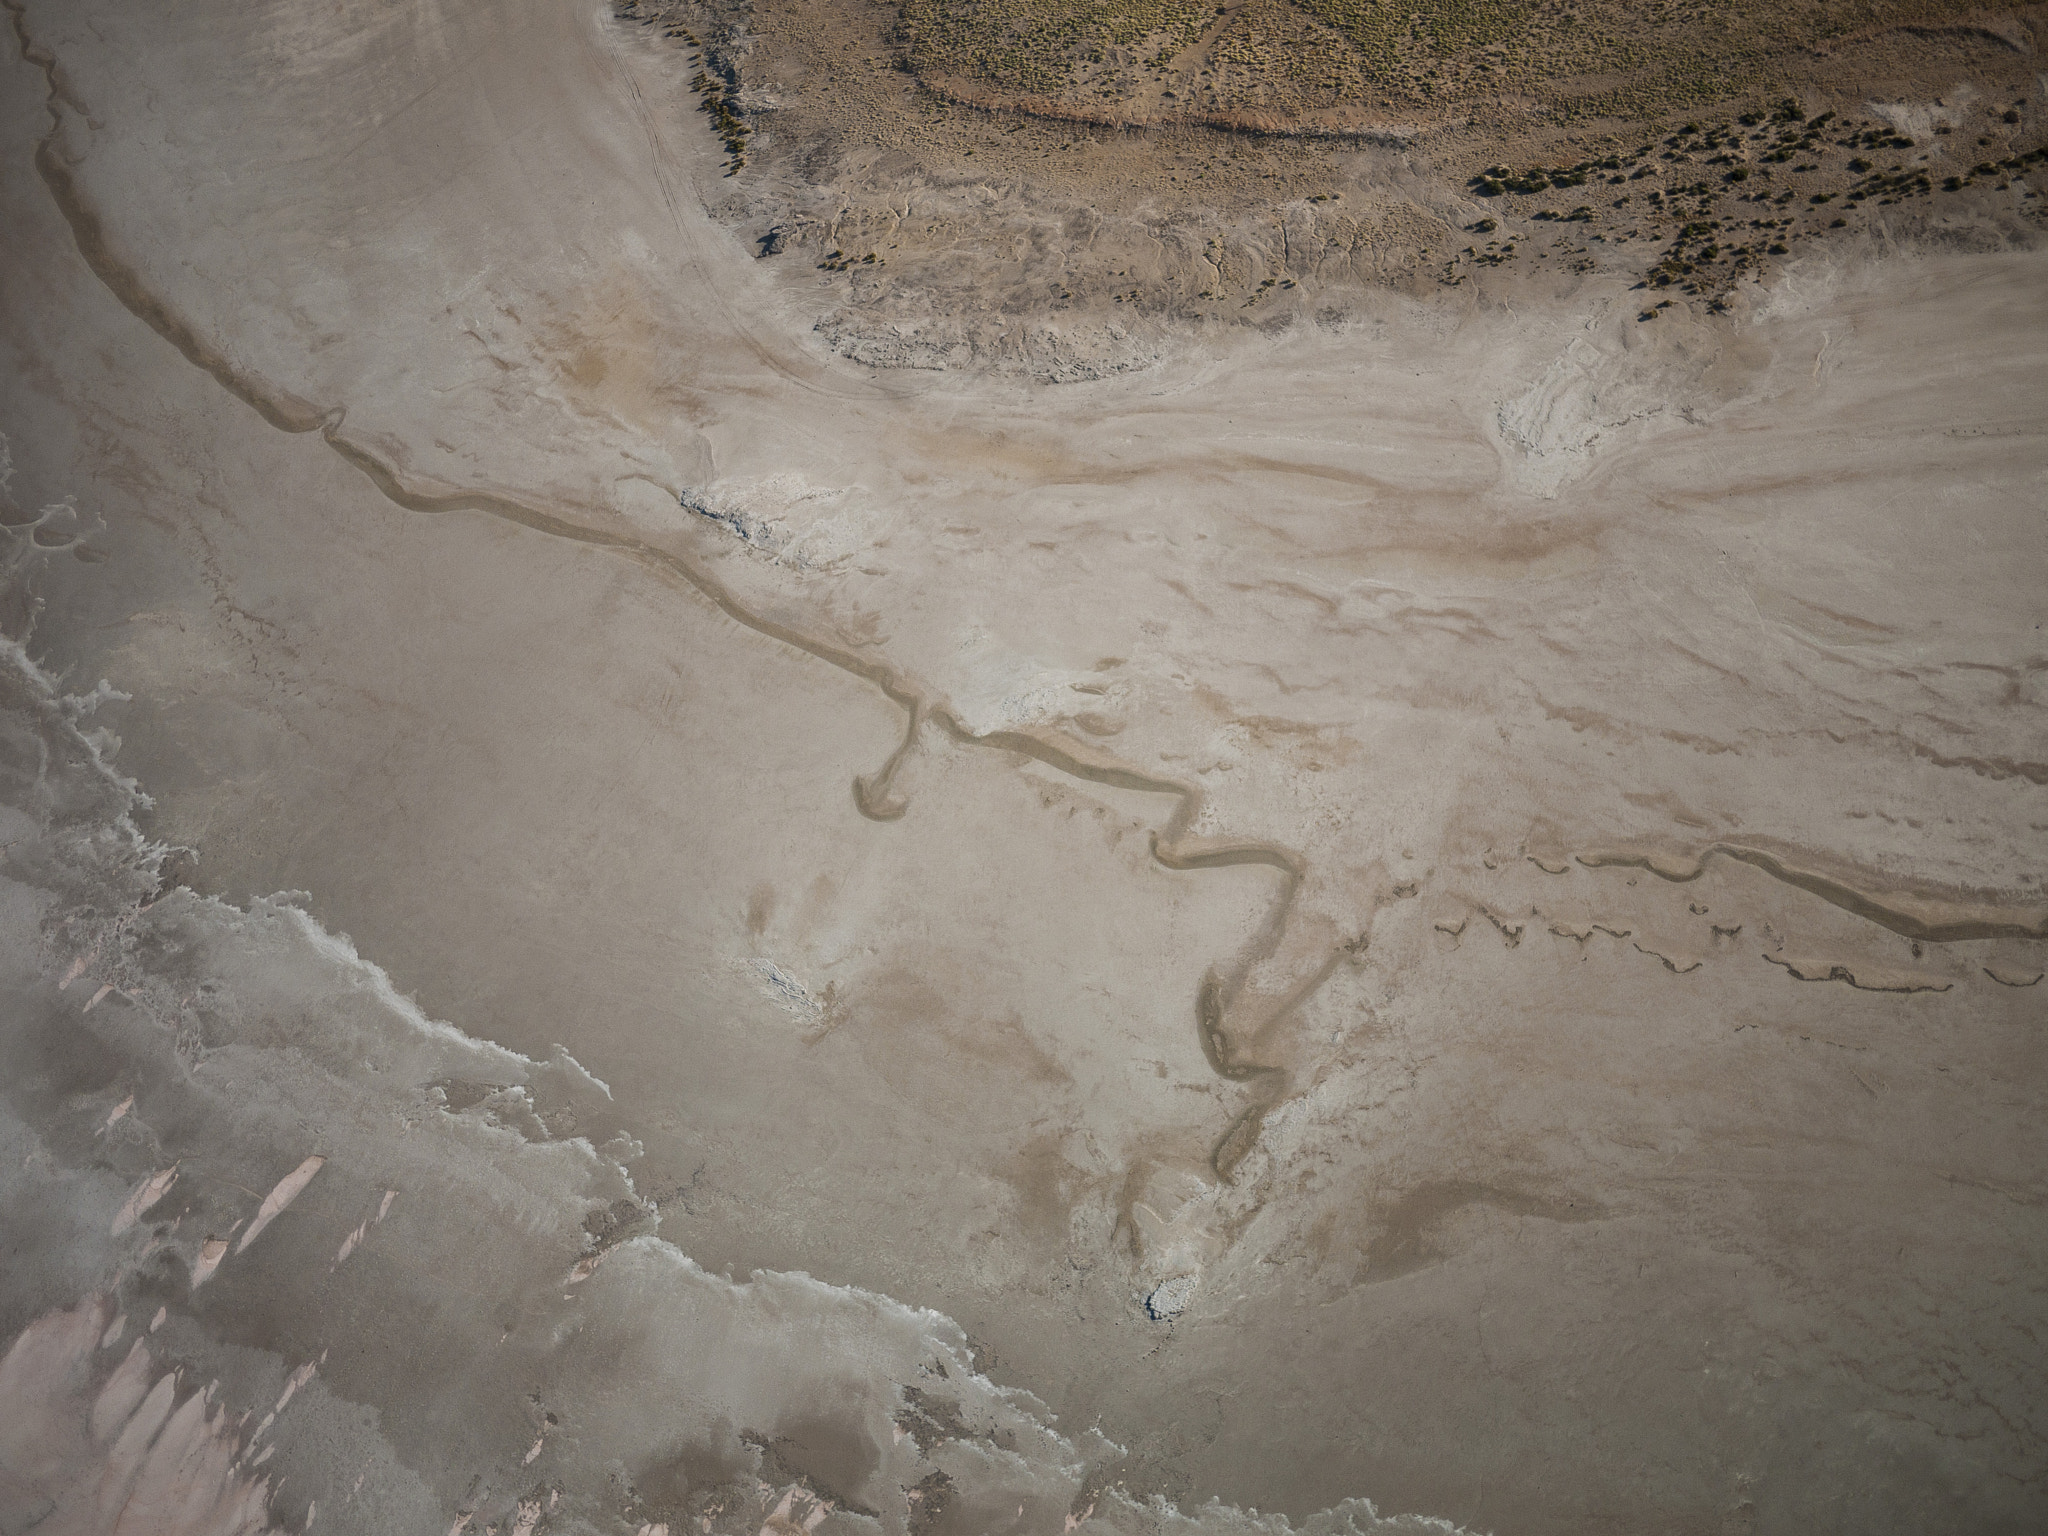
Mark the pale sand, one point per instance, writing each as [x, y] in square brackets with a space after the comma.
[1395, 680]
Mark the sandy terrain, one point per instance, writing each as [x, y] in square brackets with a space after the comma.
[1443, 906]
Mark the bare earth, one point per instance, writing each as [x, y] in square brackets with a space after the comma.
[1435, 896]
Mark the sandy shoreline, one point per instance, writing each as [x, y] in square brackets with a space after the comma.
[1527, 1177]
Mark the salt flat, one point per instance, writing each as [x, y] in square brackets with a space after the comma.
[1442, 907]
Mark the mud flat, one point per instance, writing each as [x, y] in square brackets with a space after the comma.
[1440, 907]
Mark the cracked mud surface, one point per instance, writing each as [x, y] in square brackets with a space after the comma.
[1440, 907]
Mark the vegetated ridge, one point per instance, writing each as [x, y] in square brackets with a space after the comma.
[1056, 184]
